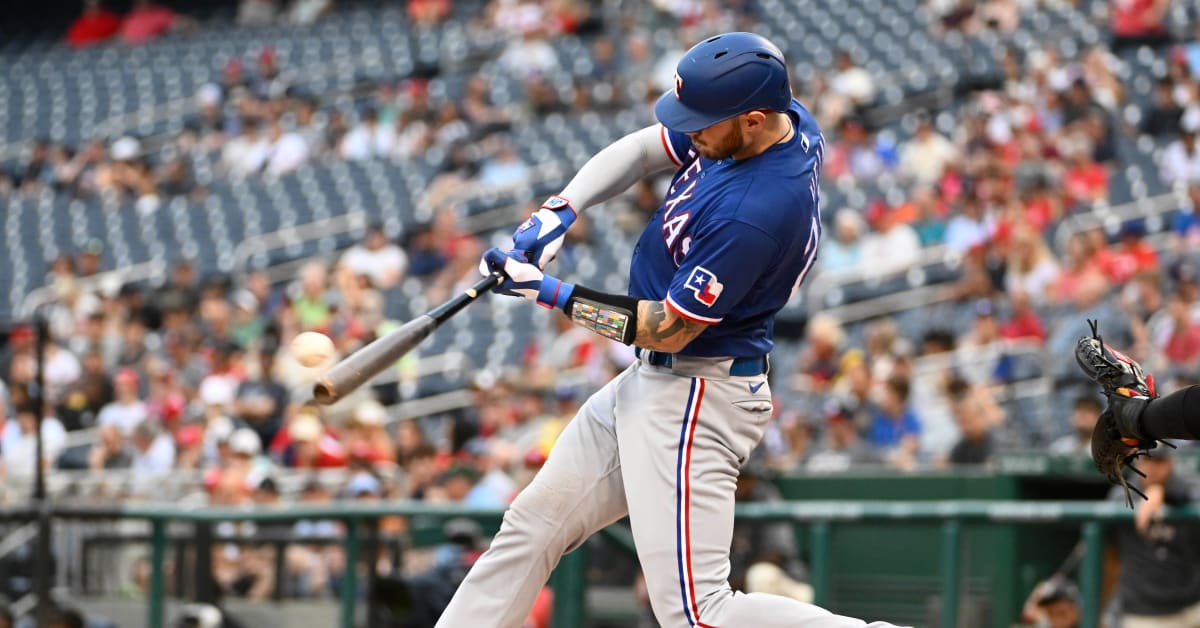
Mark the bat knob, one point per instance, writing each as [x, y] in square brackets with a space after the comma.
[324, 392]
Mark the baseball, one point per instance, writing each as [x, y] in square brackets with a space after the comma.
[312, 348]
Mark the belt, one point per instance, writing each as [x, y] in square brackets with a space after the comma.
[739, 367]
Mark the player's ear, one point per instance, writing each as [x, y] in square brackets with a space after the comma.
[754, 120]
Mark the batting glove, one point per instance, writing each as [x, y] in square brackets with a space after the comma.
[522, 279]
[541, 236]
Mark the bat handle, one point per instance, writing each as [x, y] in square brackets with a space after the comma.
[444, 311]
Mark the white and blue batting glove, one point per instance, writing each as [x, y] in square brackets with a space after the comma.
[522, 279]
[541, 236]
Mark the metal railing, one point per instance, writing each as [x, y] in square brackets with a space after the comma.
[820, 517]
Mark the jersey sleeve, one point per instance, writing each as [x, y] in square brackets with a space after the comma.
[719, 268]
[676, 144]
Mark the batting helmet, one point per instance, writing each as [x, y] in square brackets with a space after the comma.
[721, 77]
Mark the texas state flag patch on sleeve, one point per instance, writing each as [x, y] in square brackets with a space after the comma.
[704, 283]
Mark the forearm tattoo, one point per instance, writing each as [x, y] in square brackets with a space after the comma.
[661, 330]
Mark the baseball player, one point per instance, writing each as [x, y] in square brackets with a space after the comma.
[663, 441]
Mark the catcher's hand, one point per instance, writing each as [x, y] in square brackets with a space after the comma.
[1117, 439]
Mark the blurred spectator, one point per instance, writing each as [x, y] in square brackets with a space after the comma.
[310, 446]
[856, 155]
[94, 25]
[1031, 268]
[109, 451]
[892, 246]
[1081, 280]
[18, 441]
[842, 448]
[147, 20]
[1083, 421]
[302, 12]
[925, 156]
[1159, 582]
[311, 305]
[288, 150]
[976, 413]
[126, 410]
[852, 81]
[261, 401]
[504, 168]
[970, 227]
[153, 448]
[1023, 322]
[1133, 255]
[246, 153]
[1182, 345]
[1163, 116]
[1181, 159]
[1138, 22]
[844, 251]
[368, 139]
[1054, 603]
[256, 12]
[381, 261]
[428, 12]
[895, 428]
[365, 438]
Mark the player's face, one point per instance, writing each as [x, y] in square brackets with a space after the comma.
[720, 140]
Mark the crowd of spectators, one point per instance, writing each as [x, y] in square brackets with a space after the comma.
[195, 376]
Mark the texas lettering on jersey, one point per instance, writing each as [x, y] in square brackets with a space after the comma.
[675, 213]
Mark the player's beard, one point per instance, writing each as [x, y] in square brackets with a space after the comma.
[726, 146]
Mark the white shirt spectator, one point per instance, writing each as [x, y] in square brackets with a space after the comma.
[245, 154]
[289, 152]
[366, 141]
[125, 416]
[854, 83]
[159, 457]
[18, 448]
[898, 247]
[1035, 281]
[529, 58]
[924, 158]
[964, 232]
[1179, 165]
[384, 266]
[62, 370]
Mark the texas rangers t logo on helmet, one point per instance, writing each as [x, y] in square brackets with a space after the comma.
[705, 285]
[678, 85]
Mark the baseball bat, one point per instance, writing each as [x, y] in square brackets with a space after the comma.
[360, 366]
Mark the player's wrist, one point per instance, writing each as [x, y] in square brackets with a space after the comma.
[562, 208]
[554, 293]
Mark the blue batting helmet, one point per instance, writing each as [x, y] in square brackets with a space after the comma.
[721, 77]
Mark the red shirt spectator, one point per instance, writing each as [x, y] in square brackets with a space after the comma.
[146, 21]
[1134, 18]
[95, 25]
[1131, 257]
[1086, 181]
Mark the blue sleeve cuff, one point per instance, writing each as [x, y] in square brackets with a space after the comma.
[554, 293]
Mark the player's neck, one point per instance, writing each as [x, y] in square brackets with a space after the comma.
[778, 131]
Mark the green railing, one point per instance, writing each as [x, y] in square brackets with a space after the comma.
[820, 518]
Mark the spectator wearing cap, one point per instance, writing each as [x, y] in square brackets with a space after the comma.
[307, 445]
[1132, 256]
[365, 437]
[842, 447]
[127, 409]
[189, 447]
[1159, 582]
[1083, 421]
[1054, 603]
[381, 261]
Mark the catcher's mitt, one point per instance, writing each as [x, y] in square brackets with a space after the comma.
[1117, 439]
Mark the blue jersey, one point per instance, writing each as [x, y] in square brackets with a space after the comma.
[733, 238]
